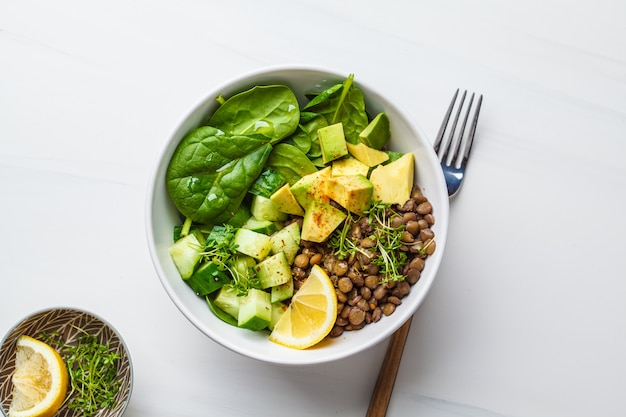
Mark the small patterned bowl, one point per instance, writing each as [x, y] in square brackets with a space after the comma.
[68, 322]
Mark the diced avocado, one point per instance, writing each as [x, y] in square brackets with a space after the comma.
[263, 208]
[252, 243]
[377, 132]
[267, 227]
[228, 300]
[282, 292]
[285, 201]
[186, 253]
[255, 310]
[348, 166]
[207, 279]
[320, 220]
[332, 141]
[393, 182]
[278, 309]
[273, 270]
[352, 192]
[311, 187]
[287, 240]
[369, 156]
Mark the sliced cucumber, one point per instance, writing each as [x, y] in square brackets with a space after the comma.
[287, 240]
[267, 227]
[252, 243]
[228, 301]
[278, 309]
[263, 208]
[255, 310]
[207, 279]
[273, 270]
[282, 292]
[186, 253]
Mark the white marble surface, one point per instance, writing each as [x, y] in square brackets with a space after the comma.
[528, 315]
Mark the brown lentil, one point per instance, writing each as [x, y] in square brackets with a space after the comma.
[315, 259]
[301, 260]
[344, 285]
[388, 309]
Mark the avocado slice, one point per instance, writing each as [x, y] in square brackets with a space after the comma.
[348, 166]
[352, 192]
[333, 142]
[320, 220]
[369, 156]
[311, 187]
[377, 132]
[286, 202]
[393, 182]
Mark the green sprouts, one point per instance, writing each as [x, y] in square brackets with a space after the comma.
[387, 239]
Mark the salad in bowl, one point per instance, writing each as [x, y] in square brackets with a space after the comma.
[297, 216]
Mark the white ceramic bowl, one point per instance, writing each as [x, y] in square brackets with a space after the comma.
[162, 216]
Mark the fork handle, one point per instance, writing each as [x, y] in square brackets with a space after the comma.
[388, 372]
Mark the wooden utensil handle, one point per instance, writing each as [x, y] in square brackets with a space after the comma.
[388, 372]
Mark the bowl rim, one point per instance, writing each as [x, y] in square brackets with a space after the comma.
[319, 356]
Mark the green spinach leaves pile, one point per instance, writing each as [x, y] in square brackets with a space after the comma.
[255, 142]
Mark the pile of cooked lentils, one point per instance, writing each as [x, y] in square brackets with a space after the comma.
[364, 292]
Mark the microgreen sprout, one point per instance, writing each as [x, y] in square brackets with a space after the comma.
[387, 238]
[92, 368]
[221, 249]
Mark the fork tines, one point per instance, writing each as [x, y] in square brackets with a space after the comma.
[455, 145]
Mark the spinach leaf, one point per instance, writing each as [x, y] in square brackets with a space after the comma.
[306, 138]
[290, 161]
[342, 103]
[307, 116]
[241, 215]
[272, 111]
[307, 132]
[211, 172]
[269, 181]
[393, 156]
[323, 96]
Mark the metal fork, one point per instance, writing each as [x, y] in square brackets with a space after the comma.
[453, 150]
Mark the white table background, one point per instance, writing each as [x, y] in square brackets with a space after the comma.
[528, 315]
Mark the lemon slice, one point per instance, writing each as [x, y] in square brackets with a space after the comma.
[311, 314]
[40, 379]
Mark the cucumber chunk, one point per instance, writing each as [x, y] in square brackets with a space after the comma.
[207, 279]
[228, 301]
[255, 310]
[252, 243]
[267, 227]
[273, 270]
[263, 208]
[186, 253]
[282, 292]
[278, 309]
[287, 240]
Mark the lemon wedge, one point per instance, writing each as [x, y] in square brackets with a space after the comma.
[39, 381]
[311, 314]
